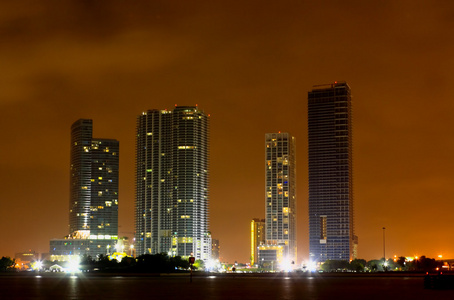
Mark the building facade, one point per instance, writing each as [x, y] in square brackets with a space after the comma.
[257, 238]
[215, 249]
[331, 227]
[280, 193]
[93, 203]
[172, 176]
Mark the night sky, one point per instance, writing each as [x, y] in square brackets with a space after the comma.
[249, 64]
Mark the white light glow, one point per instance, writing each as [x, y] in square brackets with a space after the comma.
[38, 265]
[74, 265]
[286, 265]
[312, 266]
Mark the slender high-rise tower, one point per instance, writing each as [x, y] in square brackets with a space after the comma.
[280, 193]
[331, 230]
[93, 200]
[172, 176]
[257, 238]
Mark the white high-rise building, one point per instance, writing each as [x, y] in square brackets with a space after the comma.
[172, 177]
[280, 193]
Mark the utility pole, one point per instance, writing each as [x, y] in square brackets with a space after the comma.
[385, 264]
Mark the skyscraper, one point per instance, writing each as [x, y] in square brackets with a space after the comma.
[280, 193]
[331, 228]
[172, 176]
[93, 201]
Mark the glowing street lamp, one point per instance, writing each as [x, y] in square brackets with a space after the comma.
[312, 266]
[38, 265]
[74, 265]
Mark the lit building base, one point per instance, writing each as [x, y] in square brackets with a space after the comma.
[60, 248]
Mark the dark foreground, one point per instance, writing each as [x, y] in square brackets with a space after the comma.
[227, 286]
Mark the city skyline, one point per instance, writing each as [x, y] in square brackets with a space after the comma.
[250, 66]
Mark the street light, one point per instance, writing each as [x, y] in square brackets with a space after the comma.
[384, 253]
[38, 265]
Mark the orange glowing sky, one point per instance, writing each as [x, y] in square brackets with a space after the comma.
[250, 65]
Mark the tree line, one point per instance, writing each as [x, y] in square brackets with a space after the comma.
[6, 263]
[157, 263]
[422, 264]
[147, 263]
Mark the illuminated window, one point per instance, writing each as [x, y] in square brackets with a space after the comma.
[323, 228]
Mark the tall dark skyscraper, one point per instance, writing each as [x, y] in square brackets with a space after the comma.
[280, 193]
[93, 201]
[172, 176]
[331, 226]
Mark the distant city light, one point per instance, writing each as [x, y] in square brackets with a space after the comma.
[286, 265]
[311, 266]
[74, 265]
[38, 265]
